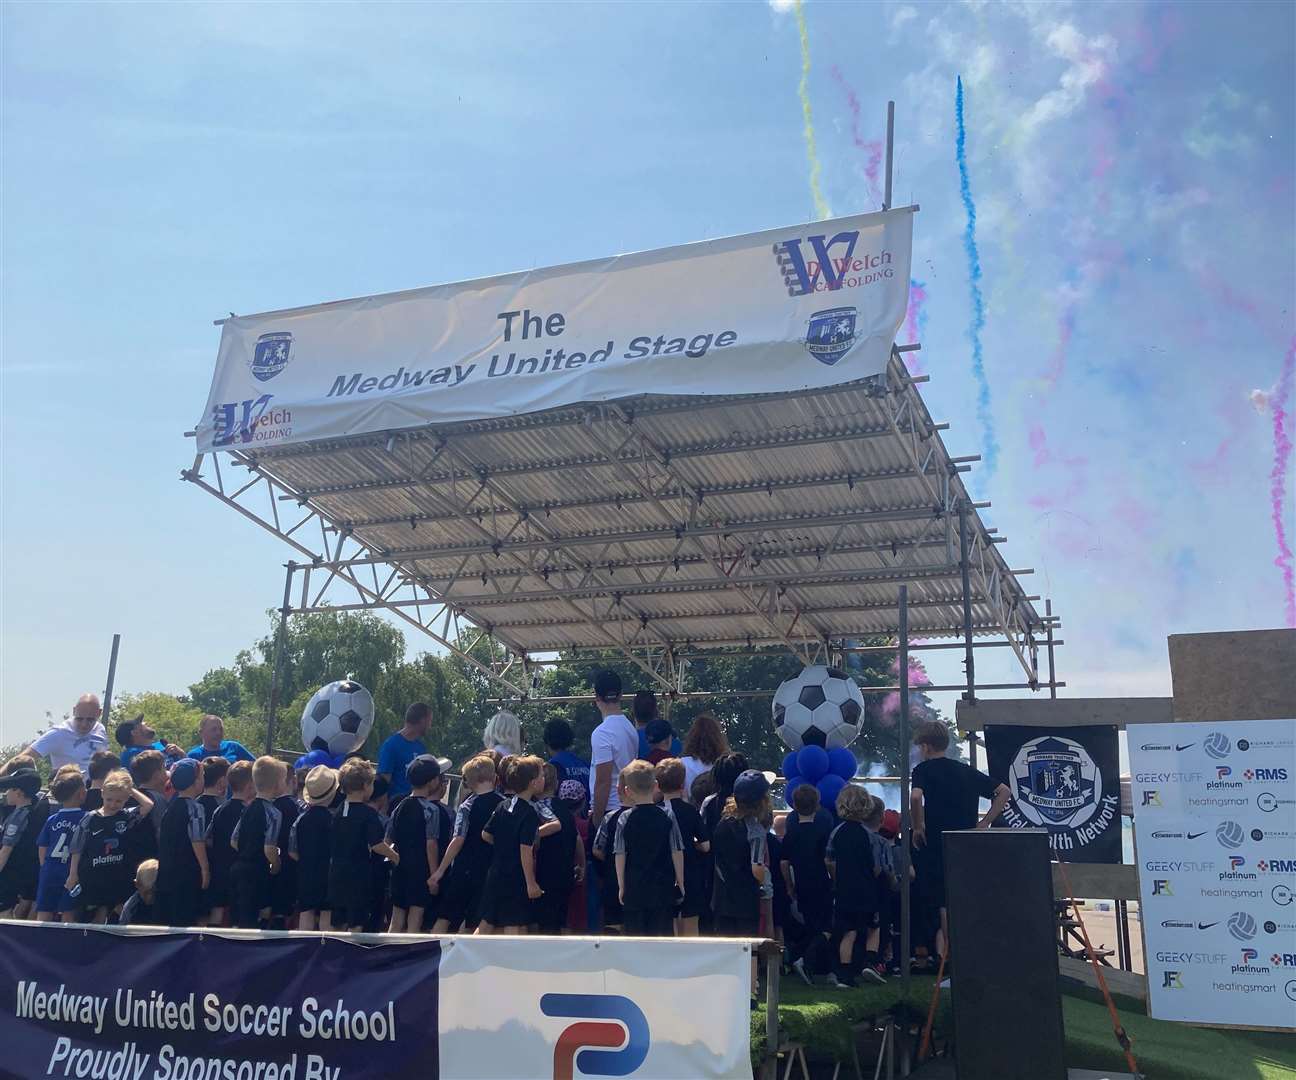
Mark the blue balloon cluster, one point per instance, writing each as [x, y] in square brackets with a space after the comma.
[827, 770]
[319, 757]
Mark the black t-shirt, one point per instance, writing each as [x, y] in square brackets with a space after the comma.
[951, 795]
[20, 832]
[106, 868]
[471, 817]
[556, 853]
[415, 822]
[512, 827]
[220, 827]
[851, 850]
[356, 828]
[737, 844]
[691, 829]
[309, 839]
[183, 825]
[257, 829]
[93, 799]
[210, 804]
[804, 848]
[647, 836]
[288, 810]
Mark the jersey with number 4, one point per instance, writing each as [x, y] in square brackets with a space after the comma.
[56, 838]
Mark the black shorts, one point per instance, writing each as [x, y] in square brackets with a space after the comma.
[217, 894]
[737, 926]
[410, 889]
[648, 922]
[461, 895]
[506, 907]
[312, 888]
[350, 886]
[549, 913]
[859, 920]
[249, 893]
[180, 906]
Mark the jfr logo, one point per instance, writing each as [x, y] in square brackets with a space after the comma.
[1161, 887]
[606, 1020]
[1151, 798]
[1171, 981]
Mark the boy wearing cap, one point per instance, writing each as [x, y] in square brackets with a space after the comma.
[415, 831]
[255, 841]
[183, 870]
[308, 845]
[739, 844]
[221, 824]
[54, 845]
[101, 868]
[649, 857]
[660, 736]
[467, 858]
[19, 863]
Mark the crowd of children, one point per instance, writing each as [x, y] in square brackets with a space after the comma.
[256, 844]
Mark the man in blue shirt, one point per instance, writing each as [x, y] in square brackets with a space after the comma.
[135, 736]
[398, 750]
[211, 733]
[645, 710]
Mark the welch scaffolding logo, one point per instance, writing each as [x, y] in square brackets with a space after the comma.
[826, 264]
[613, 1023]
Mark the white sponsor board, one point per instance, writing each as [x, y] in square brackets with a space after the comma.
[560, 1007]
[1215, 821]
[787, 309]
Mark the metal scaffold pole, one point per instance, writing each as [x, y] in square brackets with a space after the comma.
[276, 672]
[906, 821]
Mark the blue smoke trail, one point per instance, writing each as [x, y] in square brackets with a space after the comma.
[990, 449]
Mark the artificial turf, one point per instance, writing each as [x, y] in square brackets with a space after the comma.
[822, 1020]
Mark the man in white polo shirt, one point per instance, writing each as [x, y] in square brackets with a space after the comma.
[76, 739]
[613, 745]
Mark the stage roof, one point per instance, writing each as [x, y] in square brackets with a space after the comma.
[652, 525]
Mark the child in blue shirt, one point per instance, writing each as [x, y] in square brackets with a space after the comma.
[54, 845]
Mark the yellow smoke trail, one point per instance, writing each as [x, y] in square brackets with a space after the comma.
[822, 209]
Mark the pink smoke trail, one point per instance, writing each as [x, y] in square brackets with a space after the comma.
[1057, 363]
[872, 148]
[1278, 479]
[915, 323]
[890, 709]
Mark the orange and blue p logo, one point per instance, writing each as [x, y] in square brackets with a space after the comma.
[608, 1021]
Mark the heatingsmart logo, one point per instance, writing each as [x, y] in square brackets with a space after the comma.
[615, 1025]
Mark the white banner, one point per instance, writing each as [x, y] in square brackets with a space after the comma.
[1215, 821]
[787, 309]
[657, 1009]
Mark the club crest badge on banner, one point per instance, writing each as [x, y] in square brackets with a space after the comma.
[1066, 781]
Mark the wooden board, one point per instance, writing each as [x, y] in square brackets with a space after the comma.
[1097, 881]
[1064, 712]
[1242, 675]
[1129, 983]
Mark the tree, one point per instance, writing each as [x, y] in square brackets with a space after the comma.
[174, 719]
[219, 692]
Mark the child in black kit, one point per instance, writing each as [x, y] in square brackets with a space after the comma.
[19, 861]
[379, 868]
[802, 866]
[697, 877]
[649, 857]
[945, 795]
[356, 832]
[215, 777]
[255, 841]
[857, 890]
[560, 859]
[610, 891]
[183, 871]
[417, 832]
[101, 869]
[283, 889]
[461, 877]
[220, 827]
[739, 844]
[512, 833]
[308, 845]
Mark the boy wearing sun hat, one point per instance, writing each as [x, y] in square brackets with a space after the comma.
[308, 845]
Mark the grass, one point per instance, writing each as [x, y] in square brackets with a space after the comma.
[822, 1019]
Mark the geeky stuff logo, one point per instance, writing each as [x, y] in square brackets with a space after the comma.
[270, 355]
[614, 1023]
[831, 264]
[1161, 777]
[830, 334]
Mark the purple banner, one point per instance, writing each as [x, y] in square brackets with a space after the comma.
[78, 1002]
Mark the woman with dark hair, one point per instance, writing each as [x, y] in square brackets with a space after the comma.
[703, 745]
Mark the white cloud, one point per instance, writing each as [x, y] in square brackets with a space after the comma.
[1087, 59]
[782, 6]
[902, 15]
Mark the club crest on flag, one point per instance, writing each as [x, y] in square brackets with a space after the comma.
[1056, 782]
[830, 334]
[271, 355]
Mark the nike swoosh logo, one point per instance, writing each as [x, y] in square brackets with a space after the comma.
[1185, 746]
[1206, 925]
[1194, 835]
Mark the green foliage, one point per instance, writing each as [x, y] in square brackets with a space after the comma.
[219, 692]
[175, 719]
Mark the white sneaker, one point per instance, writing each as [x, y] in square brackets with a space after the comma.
[832, 981]
[874, 974]
[799, 967]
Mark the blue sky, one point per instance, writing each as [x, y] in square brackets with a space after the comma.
[1131, 165]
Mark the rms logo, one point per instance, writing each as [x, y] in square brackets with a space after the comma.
[603, 1020]
[1265, 774]
[829, 264]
